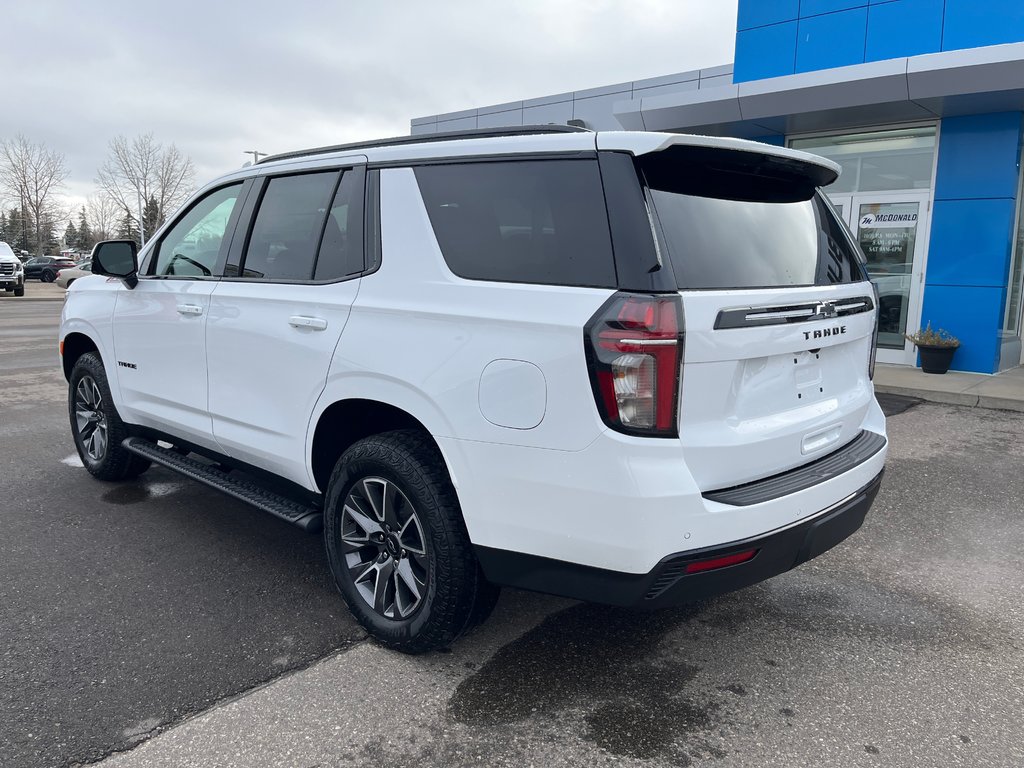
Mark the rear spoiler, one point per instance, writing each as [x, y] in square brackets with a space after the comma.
[734, 169]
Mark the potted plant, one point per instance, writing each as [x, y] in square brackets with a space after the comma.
[936, 348]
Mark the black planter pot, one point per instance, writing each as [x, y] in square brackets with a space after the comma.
[936, 359]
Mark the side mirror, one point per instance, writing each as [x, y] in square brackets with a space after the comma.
[117, 258]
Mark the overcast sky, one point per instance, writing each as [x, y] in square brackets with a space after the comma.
[217, 77]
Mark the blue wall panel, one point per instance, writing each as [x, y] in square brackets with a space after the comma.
[978, 156]
[904, 28]
[765, 52]
[759, 13]
[972, 230]
[818, 7]
[835, 33]
[971, 242]
[832, 40]
[973, 315]
[970, 23]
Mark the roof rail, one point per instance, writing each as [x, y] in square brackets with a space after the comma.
[424, 138]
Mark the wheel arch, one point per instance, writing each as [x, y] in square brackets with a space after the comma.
[74, 345]
[346, 421]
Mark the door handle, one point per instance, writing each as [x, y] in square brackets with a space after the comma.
[189, 309]
[302, 321]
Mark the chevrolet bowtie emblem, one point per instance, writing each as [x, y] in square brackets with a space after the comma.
[825, 309]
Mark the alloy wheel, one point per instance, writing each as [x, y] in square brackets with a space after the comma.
[384, 547]
[90, 419]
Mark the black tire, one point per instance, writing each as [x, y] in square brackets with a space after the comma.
[19, 291]
[89, 393]
[48, 276]
[70, 282]
[454, 595]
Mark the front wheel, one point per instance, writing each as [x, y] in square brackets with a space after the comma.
[398, 547]
[19, 291]
[96, 426]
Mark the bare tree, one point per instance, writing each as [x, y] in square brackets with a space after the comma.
[141, 169]
[33, 175]
[104, 216]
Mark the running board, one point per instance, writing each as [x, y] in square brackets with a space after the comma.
[306, 518]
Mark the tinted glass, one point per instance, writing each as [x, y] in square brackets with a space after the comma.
[718, 243]
[341, 248]
[285, 235]
[192, 247]
[526, 222]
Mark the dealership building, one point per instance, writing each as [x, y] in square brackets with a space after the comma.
[922, 104]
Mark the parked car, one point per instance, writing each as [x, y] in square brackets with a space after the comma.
[46, 267]
[12, 273]
[626, 367]
[68, 275]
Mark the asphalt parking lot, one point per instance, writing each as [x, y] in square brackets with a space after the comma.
[126, 610]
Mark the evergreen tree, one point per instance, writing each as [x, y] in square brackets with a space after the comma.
[70, 236]
[19, 227]
[85, 236]
[126, 229]
[151, 217]
[50, 235]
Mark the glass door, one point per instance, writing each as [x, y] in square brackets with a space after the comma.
[892, 229]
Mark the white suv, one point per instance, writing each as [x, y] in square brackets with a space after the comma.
[632, 368]
[12, 272]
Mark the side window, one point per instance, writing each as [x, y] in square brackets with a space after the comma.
[341, 248]
[286, 231]
[192, 247]
[521, 221]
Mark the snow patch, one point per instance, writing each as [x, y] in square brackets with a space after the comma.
[73, 461]
[163, 489]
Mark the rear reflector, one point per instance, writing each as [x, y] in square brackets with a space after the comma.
[721, 562]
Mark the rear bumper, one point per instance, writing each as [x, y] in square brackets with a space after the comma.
[668, 583]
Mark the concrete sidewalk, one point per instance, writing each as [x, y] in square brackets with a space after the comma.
[1004, 390]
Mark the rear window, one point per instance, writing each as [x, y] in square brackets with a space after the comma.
[727, 225]
[541, 221]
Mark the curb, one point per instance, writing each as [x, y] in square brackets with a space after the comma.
[955, 398]
[21, 299]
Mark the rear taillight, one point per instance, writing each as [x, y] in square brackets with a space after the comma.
[634, 348]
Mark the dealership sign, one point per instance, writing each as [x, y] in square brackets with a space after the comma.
[877, 220]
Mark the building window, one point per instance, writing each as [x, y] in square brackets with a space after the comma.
[878, 161]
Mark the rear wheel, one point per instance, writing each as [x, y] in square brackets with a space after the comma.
[96, 426]
[398, 547]
[48, 276]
